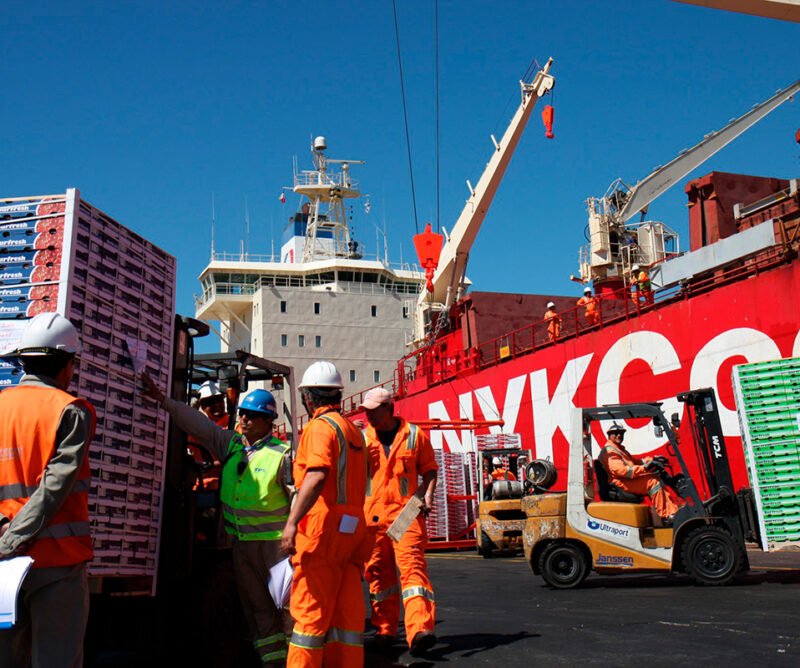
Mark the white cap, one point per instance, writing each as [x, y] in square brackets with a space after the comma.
[635, 267]
[550, 305]
[377, 396]
[322, 374]
[45, 334]
[209, 389]
[587, 290]
[496, 461]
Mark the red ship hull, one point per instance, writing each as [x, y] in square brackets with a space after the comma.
[690, 342]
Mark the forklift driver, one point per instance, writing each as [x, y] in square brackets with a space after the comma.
[633, 474]
[499, 472]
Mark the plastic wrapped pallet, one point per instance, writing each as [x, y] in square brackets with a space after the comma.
[62, 254]
[768, 404]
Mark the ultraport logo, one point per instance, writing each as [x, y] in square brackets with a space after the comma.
[607, 528]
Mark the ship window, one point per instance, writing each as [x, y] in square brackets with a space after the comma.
[405, 311]
[374, 311]
[284, 340]
[318, 341]
[317, 308]
[283, 306]
[301, 341]
[352, 375]
[376, 375]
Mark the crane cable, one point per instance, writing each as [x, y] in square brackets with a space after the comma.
[405, 115]
[436, 38]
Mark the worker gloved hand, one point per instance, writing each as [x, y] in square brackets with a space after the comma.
[149, 388]
[655, 465]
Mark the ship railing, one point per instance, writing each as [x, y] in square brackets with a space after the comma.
[234, 289]
[332, 179]
[412, 267]
[435, 364]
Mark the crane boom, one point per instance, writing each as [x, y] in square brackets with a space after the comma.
[448, 277]
[665, 177]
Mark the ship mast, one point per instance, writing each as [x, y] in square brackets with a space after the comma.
[327, 232]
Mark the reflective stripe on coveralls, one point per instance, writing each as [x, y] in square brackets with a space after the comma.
[382, 595]
[341, 478]
[411, 592]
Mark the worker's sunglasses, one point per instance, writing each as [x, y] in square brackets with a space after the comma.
[250, 415]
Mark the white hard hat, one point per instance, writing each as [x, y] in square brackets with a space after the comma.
[550, 305]
[587, 290]
[46, 334]
[496, 461]
[635, 267]
[209, 389]
[322, 374]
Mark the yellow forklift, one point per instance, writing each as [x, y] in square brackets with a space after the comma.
[568, 534]
[506, 475]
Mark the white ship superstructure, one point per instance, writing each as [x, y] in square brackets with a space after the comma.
[323, 299]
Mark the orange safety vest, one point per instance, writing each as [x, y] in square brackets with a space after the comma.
[30, 419]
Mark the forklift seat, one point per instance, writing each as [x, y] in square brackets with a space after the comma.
[609, 491]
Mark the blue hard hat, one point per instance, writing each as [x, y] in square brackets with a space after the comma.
[260, 401]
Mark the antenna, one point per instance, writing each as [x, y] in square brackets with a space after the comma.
[213, 224]
[246, 228]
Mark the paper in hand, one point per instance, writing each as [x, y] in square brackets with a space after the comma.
[280, 583]
[137, 353]
[401, 523]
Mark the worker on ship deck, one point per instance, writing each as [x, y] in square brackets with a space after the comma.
[633, 474]
[589, 302]
[400, 456]
[553, 321]
[640, 279]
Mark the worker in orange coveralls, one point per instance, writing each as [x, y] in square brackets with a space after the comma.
[553, 321]
[500, 472]
[633, 475]
[590, 304]
[399, 454]
[212, 405]
[644, 290]
[326, 531]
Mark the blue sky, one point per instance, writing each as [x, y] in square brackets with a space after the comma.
[150, 107]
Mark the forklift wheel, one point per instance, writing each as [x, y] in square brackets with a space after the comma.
[563, 565]
[486, 548]
[711, 556]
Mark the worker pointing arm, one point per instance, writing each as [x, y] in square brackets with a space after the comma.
[255, 503]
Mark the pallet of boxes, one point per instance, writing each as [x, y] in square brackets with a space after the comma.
[59, 253]
[768, 404]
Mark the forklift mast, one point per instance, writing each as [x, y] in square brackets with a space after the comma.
[709, 441]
